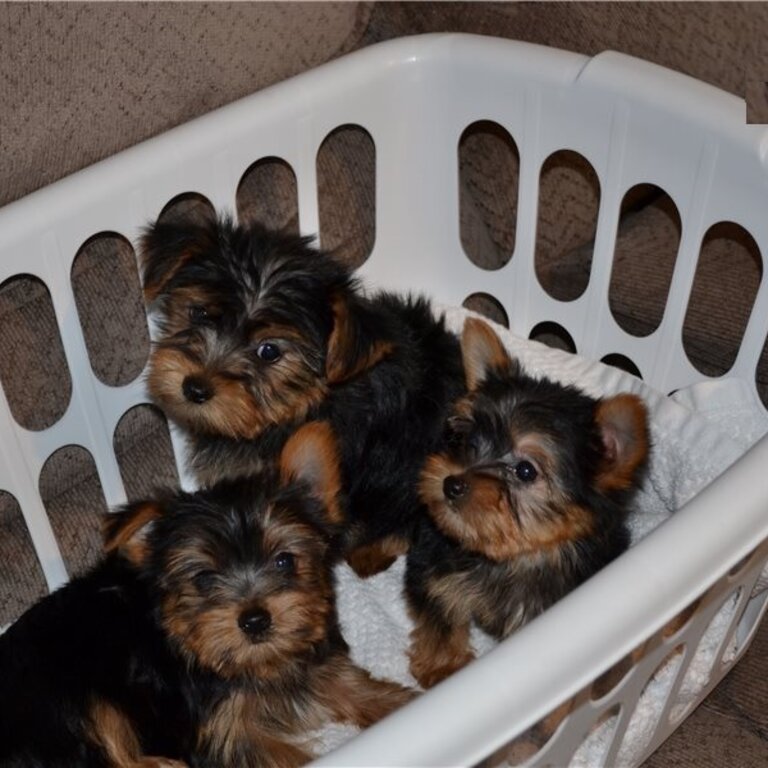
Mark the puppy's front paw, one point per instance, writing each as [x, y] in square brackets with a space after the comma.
[389, 697]
[366, 563]
[437, 650]
[370, 559]
[429, 672]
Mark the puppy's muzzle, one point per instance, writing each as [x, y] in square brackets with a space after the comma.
[457, 487]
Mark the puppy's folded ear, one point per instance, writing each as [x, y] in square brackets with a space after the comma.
[311, 456]
[623, 424]
[126, 530]
[483, 354]
[166, 246]
[356, 342]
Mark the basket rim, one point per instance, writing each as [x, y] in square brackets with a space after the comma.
[610, 71]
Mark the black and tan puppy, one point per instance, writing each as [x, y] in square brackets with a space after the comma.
[208, 635]
[259, 332]
[527, 498]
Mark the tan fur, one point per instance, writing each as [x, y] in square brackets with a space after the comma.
[482, 352]
[463, 408]
[341, 365]
[435, 655]
[368, 559]
[351, 695]
[623, 421]
[130, 538]
[236, 730]
[167, 370]
[113, 732]
[231, 411]
[265, 728]
[458, 596]
[311, 454]
[153, 290]
[208, 473]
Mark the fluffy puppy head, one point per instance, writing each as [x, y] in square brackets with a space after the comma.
[253, 326]
[242, 572]
[529, 464]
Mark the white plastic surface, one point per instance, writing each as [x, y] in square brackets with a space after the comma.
[635, 123]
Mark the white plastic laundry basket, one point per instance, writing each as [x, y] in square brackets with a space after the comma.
[635, 123]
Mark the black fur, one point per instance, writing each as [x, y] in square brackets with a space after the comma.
[391, 417]
[97, 636]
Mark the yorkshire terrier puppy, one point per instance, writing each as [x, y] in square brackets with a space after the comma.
[207, 636]
[526, 499]
[259, 332]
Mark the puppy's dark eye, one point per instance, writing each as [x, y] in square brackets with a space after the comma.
[268, 351]
[285, 562]
[198, 314]
[204, 580]
[525, 471]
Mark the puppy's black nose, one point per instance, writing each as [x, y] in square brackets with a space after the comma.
[455, 487]
[196, 390]
[255, 622]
